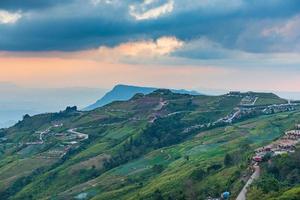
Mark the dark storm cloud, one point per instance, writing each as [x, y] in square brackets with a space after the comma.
[30, 4]
[235, 24]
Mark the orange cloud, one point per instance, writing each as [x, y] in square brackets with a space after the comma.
[57, 69]
[61, 72]
[142, 49]
[139, 50]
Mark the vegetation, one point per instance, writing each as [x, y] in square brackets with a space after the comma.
[141, 149]
[280, 178]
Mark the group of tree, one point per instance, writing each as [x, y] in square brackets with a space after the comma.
[281, 173]
[163, 132]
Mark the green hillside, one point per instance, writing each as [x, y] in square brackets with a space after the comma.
[157, 146]
[280, 179]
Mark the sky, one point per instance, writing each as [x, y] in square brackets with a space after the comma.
[191, 44]
[17, 101]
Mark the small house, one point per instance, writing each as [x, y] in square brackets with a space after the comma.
[257, 158]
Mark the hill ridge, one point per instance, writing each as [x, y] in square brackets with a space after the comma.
[122, 92]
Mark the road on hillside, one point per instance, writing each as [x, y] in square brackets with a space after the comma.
[79, 135]
[254, 176]
[233, 116]
[253, 103]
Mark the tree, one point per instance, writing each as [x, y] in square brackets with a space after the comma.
[190, 190]
[158, 168]
[228, 160]
[157, 195]
[198, 174]
[71, 109]
[187, 157]
[214, 167]
[2, 133]
[255, 193]
[268, 183]
[26, 116]
[267, 156]
[293, 177]
[244, 145]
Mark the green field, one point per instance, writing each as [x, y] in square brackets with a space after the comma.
[130, 156]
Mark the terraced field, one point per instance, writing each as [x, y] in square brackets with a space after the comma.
[139, 149]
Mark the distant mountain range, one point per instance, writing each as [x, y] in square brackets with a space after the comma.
[125, 92]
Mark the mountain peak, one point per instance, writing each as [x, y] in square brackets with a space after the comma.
[122, 92]
[163, 91]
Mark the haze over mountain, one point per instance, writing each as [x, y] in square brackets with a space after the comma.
[16, 101]
[125, 92]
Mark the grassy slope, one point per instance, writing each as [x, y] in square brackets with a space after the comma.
[269, 98]
[124, 182]
[110, 126]
[292, 194]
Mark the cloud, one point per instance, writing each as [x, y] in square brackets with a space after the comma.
[9, 17]
[97, 2]
[288, 30]
[160, 47]
[31, 4]
[271, 35]
[76, 25]
[77, 71]
[140, 12]
[135, 50]
[205, 49]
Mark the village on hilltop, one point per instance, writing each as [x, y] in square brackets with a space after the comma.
[285, 144]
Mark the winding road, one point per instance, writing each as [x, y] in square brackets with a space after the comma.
[82, 136]
[254, 176]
